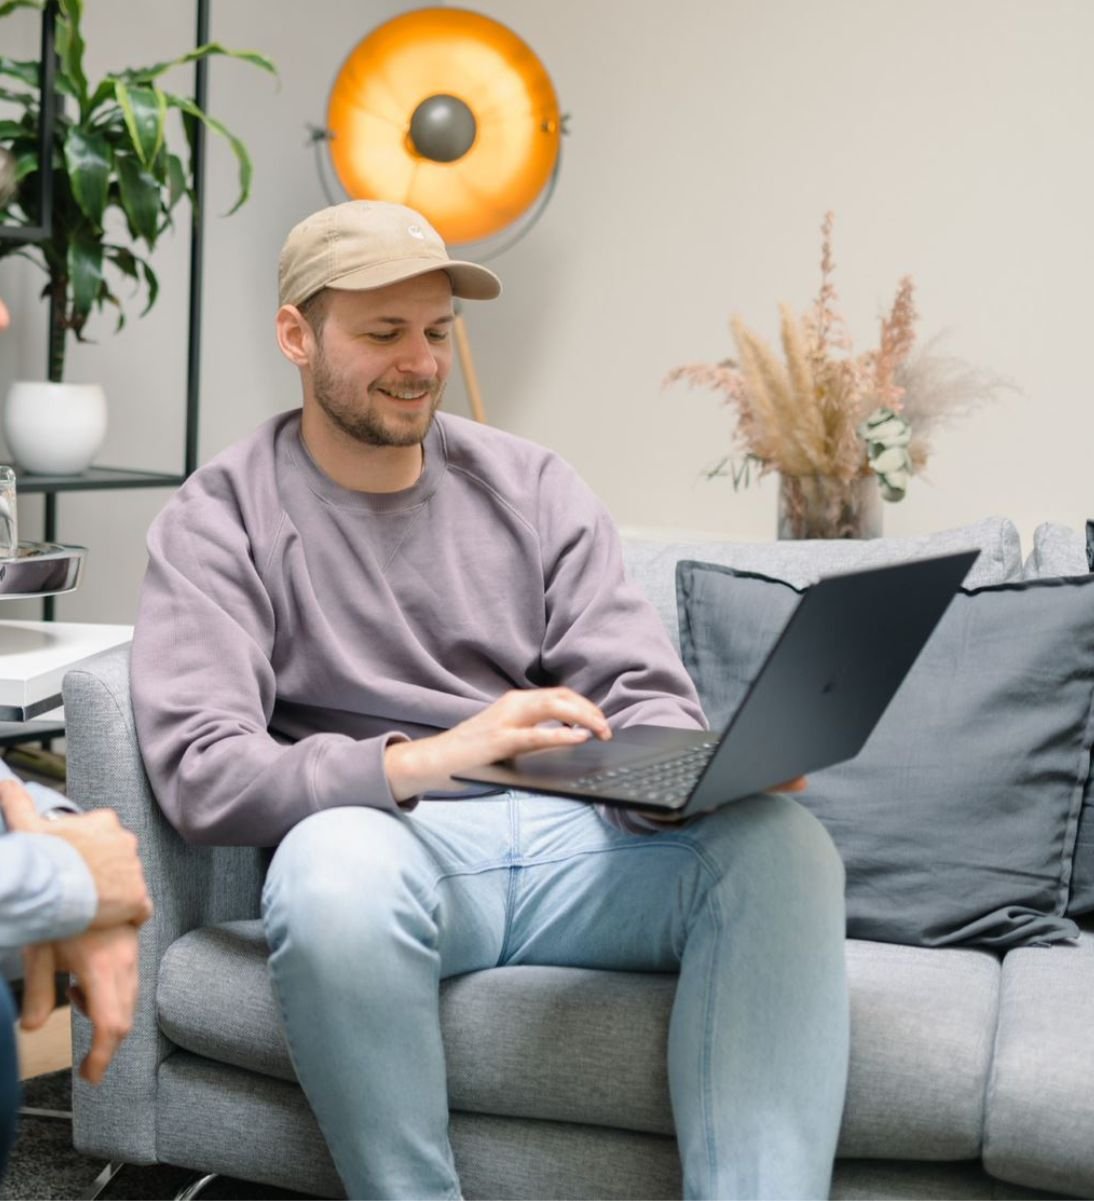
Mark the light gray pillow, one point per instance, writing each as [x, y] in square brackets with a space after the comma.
[957, 820]
[1057, 550]
[651, 563]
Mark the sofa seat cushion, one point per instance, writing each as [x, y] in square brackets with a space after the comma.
[1040, 1107]
[566, 1044]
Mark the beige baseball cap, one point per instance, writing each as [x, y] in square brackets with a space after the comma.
[364, 244]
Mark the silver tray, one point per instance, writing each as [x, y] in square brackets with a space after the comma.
[41, 569]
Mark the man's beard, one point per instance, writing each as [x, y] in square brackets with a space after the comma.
[340, 400]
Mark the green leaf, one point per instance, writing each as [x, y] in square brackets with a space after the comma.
[85, 271]
[29, 100]
[136, 269]
[176, 181]
[87, 159]
[140, 196]
[144, 109]
[70, 52]
[26, 71]
[238, 149]
[11, 131]
[124, 259]
[143, 74]
[11, 5]
[152, 282]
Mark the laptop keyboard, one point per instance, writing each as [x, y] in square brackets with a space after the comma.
[666, 780]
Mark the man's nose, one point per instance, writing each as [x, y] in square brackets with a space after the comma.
[418, 356]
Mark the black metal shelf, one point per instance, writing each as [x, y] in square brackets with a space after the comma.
[96, 479]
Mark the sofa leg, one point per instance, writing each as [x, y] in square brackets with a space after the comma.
[195, 1187]
[102, 1180]
[29, 1111]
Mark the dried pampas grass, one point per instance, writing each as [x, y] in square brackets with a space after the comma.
[800, 414]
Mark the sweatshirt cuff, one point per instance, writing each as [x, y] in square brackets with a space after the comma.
[353, 773]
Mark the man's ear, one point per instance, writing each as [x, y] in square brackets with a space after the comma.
[295, 335]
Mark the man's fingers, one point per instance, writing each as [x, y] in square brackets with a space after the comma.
[103, 1045]
[532, 705]
[798, 784]
[39, 992]
[105, 1011]
[18, 808]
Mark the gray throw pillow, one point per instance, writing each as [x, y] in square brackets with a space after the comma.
[957, 821]
[1061, 551]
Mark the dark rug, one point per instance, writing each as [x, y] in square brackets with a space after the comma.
[44, 1165]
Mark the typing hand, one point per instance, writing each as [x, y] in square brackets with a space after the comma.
[512, 725]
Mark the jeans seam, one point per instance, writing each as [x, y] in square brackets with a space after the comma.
[511, 890]
[708, 1037]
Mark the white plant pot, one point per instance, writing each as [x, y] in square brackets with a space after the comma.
[54, 429]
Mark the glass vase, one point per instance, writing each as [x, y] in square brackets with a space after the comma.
[824, 506]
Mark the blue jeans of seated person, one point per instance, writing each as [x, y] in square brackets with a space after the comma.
[9, 1075]
[366, 912]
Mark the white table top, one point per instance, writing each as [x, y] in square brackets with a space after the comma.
[34, 656]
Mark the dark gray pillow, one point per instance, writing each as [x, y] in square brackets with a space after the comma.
[1082, 875]
[957, 821]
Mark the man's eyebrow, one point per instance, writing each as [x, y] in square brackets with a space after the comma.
[446, 319]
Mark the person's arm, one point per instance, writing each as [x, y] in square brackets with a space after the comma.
[46, 892]
[58, 878]
[204, 688]
[603, 637]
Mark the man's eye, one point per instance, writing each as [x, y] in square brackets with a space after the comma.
[389, 336]
[438, 335]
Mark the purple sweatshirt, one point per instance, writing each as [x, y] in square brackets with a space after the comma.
[289, 628]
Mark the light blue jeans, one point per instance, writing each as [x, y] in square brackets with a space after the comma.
[366, 913]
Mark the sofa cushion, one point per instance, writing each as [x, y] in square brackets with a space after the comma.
[652, 564]
[921, 1030]
[1040, 1106]
[957, 820]
[1057, 550]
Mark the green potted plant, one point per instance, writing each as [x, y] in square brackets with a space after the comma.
[110, 151]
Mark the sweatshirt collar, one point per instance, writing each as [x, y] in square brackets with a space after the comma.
[402, 501]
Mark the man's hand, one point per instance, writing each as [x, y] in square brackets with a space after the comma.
[510, 726]
[108, 849]
[104, 963]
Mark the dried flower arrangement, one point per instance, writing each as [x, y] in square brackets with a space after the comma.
[831, 422]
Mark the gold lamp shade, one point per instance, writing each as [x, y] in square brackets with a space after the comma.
[449, 112]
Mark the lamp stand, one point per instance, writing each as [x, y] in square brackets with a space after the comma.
[467, 366]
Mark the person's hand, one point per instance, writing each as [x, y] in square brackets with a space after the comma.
[798, 784]
[104, 963]
[512, 725]
[108, 849]
[5, 317]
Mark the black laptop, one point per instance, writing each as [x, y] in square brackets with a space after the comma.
[825, 684]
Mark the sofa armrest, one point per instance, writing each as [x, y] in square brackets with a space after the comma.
[190, 886]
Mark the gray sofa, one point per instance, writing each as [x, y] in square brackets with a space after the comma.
[972, 1073]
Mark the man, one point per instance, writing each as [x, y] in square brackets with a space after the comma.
[365, 597]
[72, 894]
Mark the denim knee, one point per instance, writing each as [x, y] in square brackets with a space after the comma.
[338, 878]
[776, 845]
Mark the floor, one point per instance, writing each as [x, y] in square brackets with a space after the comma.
[48, 1049]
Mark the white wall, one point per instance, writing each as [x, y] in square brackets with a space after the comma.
[708, 137]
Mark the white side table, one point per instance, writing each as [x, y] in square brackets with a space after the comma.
[34, 656]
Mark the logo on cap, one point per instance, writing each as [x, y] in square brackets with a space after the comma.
[415, 231]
